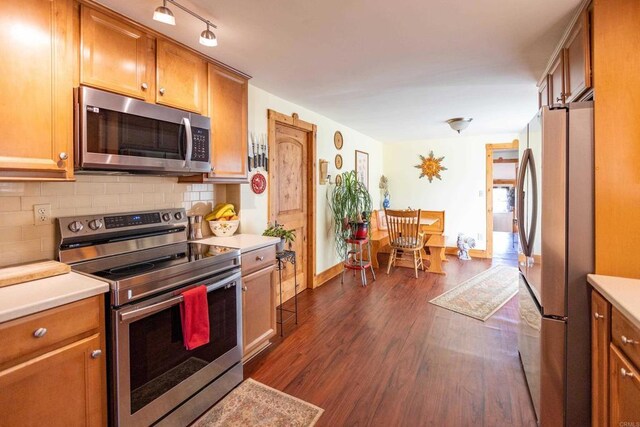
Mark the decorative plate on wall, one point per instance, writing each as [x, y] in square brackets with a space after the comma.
[338, 161]
[258, 183]
[337, 140]
[431, 166]
[338, 179]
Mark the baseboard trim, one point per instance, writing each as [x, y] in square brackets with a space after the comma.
[473, 253]
[322, 278]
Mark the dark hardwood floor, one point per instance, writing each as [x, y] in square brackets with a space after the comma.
[382, 355]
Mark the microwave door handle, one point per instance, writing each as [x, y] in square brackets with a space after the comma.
[534, 208]
[133, 315]
[521, 223]
[187, 156]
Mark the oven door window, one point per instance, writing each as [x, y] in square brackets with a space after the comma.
[157, 356]
[112, 132]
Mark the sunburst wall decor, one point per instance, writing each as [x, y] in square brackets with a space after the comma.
[431, 166]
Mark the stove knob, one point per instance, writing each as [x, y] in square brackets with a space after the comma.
[76, 226]
[95, 224]
[178, 216]
[166, 216]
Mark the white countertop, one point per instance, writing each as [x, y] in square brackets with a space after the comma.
[623, 294]
[42, 294]
[244, 242]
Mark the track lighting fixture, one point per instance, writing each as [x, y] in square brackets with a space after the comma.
[163, 14]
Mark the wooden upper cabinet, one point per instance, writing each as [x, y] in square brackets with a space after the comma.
[578, 59]
[36, 111]
[600, 338]
[116, 56]
[543, 93]
[556, 80]
[228, 112]
[181, 78]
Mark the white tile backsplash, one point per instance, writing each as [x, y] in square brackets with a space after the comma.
[22, 241]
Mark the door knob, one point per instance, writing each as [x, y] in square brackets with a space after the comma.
[626, 373]
[40, 332]
[161, 91]
[144, 86]
[96, 353]
[63, 156]
[598, 316]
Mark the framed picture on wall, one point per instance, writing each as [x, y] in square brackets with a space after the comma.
[362, 167]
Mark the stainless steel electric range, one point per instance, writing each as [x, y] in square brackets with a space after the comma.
[148, 262]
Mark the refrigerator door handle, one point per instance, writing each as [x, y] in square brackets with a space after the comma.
[520, 208]
[534, 208]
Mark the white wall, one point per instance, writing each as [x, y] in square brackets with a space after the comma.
[254, 207]
[461, 193]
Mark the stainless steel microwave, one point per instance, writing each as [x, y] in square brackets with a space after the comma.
[120, 134]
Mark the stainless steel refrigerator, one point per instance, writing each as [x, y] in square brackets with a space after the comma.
[556, 228]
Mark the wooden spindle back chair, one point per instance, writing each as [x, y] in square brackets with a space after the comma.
[405, 237]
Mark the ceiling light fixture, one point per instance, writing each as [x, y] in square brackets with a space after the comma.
[208, 38]
[459, 123]
[163, 14]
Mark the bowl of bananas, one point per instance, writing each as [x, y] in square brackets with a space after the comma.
[223, 220]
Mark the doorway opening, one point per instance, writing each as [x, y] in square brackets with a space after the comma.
[502, 170]
[292, 194]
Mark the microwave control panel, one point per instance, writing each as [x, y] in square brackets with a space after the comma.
[200, 145]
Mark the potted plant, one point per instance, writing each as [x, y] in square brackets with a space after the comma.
[278, 230]
[350, 204]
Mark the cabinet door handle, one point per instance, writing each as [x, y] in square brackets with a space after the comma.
[63, 156]
[559, 99]
[626, 340]
[96, 353]
[259, 258]
[161, 91]
[40, 332]
[598, 316]
[144, 86]
[626, 373]
[244, 289]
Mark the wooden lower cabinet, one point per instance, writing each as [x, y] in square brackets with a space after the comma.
[61, 379]
[625, 390]
[258, 311]
[600, 339]
[60, 388]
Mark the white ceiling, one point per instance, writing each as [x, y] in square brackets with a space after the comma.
[393, 70]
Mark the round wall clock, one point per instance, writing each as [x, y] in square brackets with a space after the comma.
[338, 161]
[258, 183]
[337, 139]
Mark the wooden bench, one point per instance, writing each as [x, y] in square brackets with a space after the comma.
[436, 246]
[380, 236]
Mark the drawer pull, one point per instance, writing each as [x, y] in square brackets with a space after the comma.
[96, 353]
[626, 373]
[40, 332]
[598, 316]
[626, 340]
[259, 258]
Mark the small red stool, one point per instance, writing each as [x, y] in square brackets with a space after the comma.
[353, 259]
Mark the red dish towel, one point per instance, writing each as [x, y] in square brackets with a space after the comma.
[194, 314]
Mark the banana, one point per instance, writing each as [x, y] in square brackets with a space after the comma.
[221, 212]
[210, 216]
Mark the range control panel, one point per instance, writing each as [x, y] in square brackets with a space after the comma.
[94, 225]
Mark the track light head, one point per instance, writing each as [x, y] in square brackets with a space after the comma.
[163, 14]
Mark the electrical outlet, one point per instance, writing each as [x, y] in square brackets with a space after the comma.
[42, 214]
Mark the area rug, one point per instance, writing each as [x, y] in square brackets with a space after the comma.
[255, 404]
[482, 295]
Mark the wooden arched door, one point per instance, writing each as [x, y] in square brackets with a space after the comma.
[291, 195]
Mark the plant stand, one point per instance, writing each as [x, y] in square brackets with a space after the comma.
[282, 258]
[354, 259]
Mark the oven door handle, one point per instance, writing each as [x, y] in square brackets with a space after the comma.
[133, 315]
